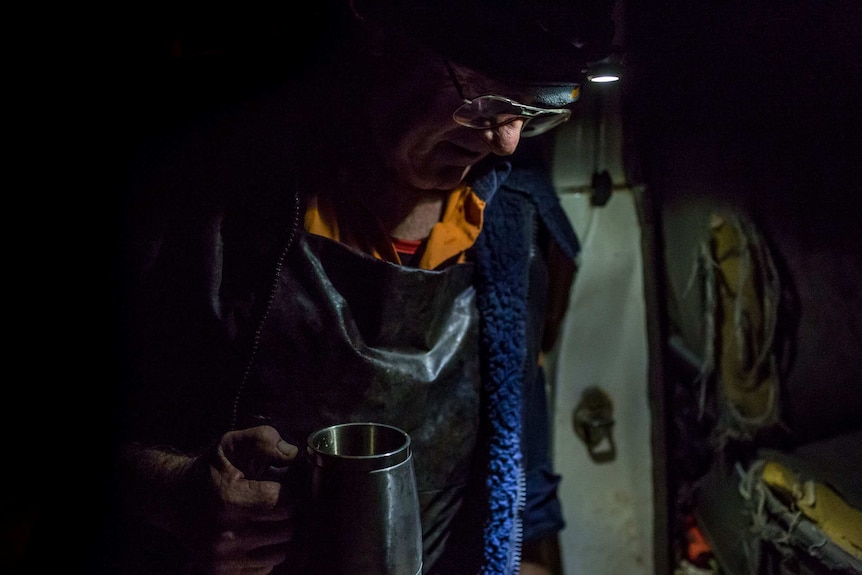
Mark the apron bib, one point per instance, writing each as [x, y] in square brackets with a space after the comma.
[349, 338]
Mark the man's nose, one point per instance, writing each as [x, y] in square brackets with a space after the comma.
[503, 140]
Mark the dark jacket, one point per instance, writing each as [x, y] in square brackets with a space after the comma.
[204, 281]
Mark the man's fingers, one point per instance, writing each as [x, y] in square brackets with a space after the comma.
[254, 451]
[250, 501]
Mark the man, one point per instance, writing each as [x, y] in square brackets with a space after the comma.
[351, 245]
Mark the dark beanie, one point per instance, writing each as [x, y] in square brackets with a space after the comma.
[532, 41]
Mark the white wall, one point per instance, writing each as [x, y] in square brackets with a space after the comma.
[607, 506]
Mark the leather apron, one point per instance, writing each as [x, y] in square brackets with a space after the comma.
[350, 338]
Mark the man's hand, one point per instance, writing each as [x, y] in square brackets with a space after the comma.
[228, 508]
[252, 513]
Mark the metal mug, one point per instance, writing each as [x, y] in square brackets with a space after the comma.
[365, 505]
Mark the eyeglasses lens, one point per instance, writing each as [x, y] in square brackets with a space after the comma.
[493, 111]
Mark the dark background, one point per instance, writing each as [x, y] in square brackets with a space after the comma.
[767, 94]
[756, 108]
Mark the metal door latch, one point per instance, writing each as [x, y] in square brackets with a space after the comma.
[593, 420]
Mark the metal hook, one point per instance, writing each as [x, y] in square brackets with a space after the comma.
[593, 422]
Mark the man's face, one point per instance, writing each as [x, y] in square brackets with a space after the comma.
[416, 134]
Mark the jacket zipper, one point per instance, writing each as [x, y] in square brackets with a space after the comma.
[294, 228]
[518, 535]
[521, 504]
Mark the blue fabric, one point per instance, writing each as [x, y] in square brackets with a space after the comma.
[502, 287]
[543, 514]
[537, 184]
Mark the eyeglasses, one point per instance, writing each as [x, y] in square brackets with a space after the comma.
[492, 111]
